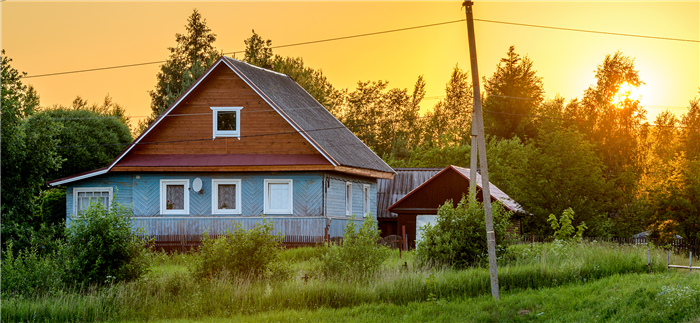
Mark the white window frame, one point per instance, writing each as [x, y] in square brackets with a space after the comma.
[348, 198]
[226, 133]
[77, 190]
[366, 200]
[266, 193]
[163, 196]
[215, 196]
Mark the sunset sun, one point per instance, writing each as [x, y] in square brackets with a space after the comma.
[628, 91]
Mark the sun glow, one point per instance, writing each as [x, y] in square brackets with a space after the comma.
[627, 92]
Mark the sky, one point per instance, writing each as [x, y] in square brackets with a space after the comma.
[52, 37]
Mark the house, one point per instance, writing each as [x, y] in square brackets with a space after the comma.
[241, 144]
[419, 206]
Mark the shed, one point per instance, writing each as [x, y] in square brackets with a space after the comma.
[421, 204]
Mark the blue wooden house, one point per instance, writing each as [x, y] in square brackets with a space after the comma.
[241, 144]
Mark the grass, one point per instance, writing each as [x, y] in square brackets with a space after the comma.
[659, 297]
[169, 292]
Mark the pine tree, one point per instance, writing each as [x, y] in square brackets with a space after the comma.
[188, 60]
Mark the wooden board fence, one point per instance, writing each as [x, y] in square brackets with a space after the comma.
[189, 243]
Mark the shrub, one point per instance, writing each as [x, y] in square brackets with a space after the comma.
[564, 229]
[243, 253]
[458, 239]
[359, 256]
[30, 274]
[102, 247]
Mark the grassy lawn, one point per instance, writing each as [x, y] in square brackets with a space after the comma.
[591, 282]
[660, 297]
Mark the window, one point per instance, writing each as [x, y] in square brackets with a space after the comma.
[365, 200]
[278, 196]
[83, 196]
[348, 198]
[174, 196]
[227, 122]
[226, 196]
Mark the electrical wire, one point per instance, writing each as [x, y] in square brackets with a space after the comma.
[384, 32]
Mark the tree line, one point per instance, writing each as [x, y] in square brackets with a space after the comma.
[597, 154]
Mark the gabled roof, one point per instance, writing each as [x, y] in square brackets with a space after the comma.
[338, 145]
[389, 191]
[496, 193]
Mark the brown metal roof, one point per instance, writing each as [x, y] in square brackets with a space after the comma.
[389, 191]
[450, 183]
[222, 160]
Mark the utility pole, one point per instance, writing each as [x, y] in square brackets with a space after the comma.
[478, 137]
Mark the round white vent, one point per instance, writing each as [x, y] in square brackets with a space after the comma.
[197, 184]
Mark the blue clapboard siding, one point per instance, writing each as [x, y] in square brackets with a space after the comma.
[142, 193]
[179, 226]
[335, 195]
[121, 186]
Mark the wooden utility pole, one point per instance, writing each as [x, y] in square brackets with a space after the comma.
[478, 137]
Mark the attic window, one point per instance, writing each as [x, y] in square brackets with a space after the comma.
[226, 122]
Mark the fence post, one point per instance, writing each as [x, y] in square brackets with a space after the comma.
[690, 262]
[404, 237]
[649, 259]
[668, 259]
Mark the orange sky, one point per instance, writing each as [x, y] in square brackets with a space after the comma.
[49, 37]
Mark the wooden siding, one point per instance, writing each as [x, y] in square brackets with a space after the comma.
[121, 185]
[335, 195]
[193, 127]
[337, 227]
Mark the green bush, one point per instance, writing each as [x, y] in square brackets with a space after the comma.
[53, 206]
[564, 229]
[30, 274]
[254, 254]
[458, 239]
[102, 246]
[359, 256]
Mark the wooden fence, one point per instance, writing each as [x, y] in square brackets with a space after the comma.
[677, 245]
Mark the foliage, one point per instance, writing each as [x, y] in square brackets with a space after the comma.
[561, 171]
[102, 246]
[29, 153]
[458, 239]
[188, 60]
[244, 254]
[31, 274]
[563, 229]
[507, 112]
[258, 52]
[53, 206]
[359, 257]
[91, 136]
[451, 117]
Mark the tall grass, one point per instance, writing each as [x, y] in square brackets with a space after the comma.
[170, 291]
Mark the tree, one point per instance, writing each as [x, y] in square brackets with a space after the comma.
[514, 92]
[690, 133]
[561, 171]
[91, 135]
[188, 60]
[451, 117]
[258, 52]
[29, 153]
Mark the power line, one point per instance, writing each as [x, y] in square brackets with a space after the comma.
[587, 31]
[273, 47]
[379, 33]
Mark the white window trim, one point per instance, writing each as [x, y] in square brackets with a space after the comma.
[77, 190]
[226, 133]
[163, 196]
[266, 190]
[348, 198]
[366, 200]
[215, 196]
